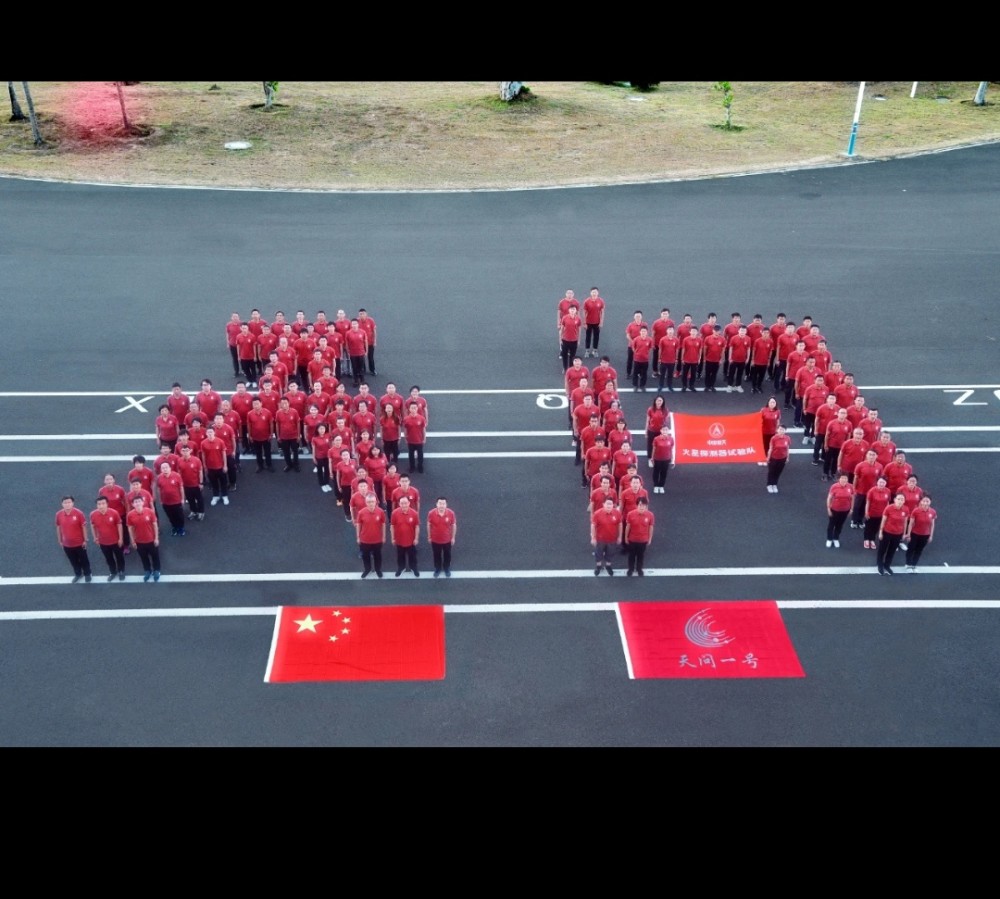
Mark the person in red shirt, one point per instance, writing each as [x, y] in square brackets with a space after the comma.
[857, 412]
[343, 471]
[823, 357]
[825, 413]
[575, 374]
[442, 529]
[371, 536]
[140, 472]
[604, 374]
[170, 488]
[213, 457]
[260, 429]
[770, 418]
[71, 532]
[622, 459]
[839, 500]
[833, 377]
[390, 484]
[356, 342]
[631, 332]
[415, 431]
[404, 534]
[737, 358]
[778, 449]
[363, 420]
[668, 358]
[363, 447]
[715, 347]
[784, 345]
[593, 320]
[912, 495]
[875, 502]
[106, 527]
[866, 473]
[145, 533]
[314, 418]
[232, 332]
[388, 429]
[919, 532]
[662, 457]
[377, 466]
[890, 533]
[642, 348]
[837, 433]
[208, 400]
[406, 489]
[115, 495]
[596, 454]
[691, 352]
[136, 489]
[415, 397]
[656, 418]
[805, 377]
[605, 534]
[814, 397]
[304, 346]
[569, 335]
[754, 330]
[241, 403]
[897, 472]
[760, 357]
[618, 435]
[658, 331]
[178, 402]
[192, 474]
[359, 498]
[167, 427]
[794, 362]
[227, 434]
[872, 426]
[562, 308]
[777, 329]
[600, 493]
[611, 416]
[247, 353]
[367, 324]
[638, 535]
[852, 453]
[287, 426]
[846, 392]
[885, 447]
[320, 445]
[606, 396]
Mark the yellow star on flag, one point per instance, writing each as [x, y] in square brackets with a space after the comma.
[307, 624]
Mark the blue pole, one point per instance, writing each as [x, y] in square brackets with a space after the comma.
[854, 124]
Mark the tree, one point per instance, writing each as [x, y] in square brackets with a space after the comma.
[121, 100]
[981, 94]
[727, 101]
[16, 115]
[35, 133]
[509, 90]
[270, 90]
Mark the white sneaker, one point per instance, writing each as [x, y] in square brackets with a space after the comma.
[805, 441]
[774, 488]
[903, 547]
[225, 500]
[215, 501]
[829, 543]
[738, 389]
[650, 463]
[836, 544]
[315, 469]
[326, 488]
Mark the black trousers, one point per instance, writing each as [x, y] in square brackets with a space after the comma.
[371, 360]
[79, 559]
[390, 449]
[667, 370]
[234, 352]
[415, 452]
[262, 450]
[858, 511]
[175, 515]
[887, 547]
[290, 451]
[593, 337]
[871, 527]
[779, 375]
[636, 555]
[640, 372]
[567, 349]
[774, 469]
[689, 375]
[406, 557]
[808, 422]
[358, 369]
[217, 480]
[734, 378]
[149, 553]
[249, 367]
[835, 524]
[371, 555]
[915, 547]
[830, 455]
[196, 499]
[711, 374]
[818, 445]
[442, 556]
[660, 469]
[114, 556]
[757, 373]
[232, 469]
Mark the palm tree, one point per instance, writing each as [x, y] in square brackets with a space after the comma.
[16, 115]
[35, 133]
[121, 100]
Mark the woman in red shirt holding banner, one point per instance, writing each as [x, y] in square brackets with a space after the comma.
[770, 417]
[656, 418]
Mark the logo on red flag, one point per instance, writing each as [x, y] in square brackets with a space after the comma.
[703, 438]
[357, 643]
[713, 640]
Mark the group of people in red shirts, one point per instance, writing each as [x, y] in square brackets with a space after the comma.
[872, 482]
[353, 441]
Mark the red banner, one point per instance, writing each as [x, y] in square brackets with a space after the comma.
[706, 640]
[717, 438]
[357, 644]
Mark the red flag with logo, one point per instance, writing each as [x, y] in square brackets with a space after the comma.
[718, 438]
[342, 643]
[706, 640]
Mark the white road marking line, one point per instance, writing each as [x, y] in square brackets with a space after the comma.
[501, 574]
[530, 608]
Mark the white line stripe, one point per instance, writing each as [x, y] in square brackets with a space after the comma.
[914, 429]
[527, 454]
[624, 639]
[268, 611]
[527, 574]
[561, 389]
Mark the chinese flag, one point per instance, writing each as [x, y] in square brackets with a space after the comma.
[706, 639]
[717, 438]
[343, 643]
